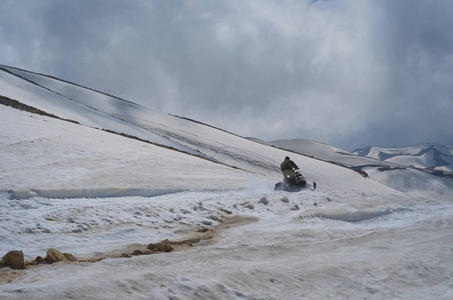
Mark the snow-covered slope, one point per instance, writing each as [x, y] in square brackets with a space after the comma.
[426, 156]
[98, 110]
[74, 103]
[47, 156]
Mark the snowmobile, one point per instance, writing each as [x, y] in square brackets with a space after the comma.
[289, 185]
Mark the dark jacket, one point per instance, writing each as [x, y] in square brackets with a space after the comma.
[288, 164]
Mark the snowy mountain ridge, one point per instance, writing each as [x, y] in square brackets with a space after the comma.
[95, 110]
[430, 156]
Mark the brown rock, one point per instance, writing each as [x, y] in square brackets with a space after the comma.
[54, 256]
[163, 246]
[39, 260]
[70, 257]
[137, 252]
[14, 259]
[209, 236]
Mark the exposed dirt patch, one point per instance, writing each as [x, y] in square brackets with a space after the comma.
[198, 237]
[21, 106]
[203, 236]
[7, 275]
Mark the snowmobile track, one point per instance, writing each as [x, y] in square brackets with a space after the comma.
[356, 217]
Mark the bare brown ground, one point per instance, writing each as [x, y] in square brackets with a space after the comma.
[7, 275]
[202, 236]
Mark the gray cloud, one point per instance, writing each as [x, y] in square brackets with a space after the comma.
[346, 73]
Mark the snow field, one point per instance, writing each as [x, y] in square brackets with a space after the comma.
[278, 252]
[48, 154]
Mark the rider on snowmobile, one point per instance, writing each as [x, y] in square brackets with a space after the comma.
[288, 167]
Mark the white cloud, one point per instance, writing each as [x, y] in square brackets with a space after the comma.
[344, 69]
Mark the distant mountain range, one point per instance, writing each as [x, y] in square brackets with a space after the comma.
[432, 158]
[435, 158]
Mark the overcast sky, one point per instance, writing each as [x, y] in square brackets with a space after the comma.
[346, 73]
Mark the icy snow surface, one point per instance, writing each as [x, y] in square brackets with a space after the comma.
[98, 195]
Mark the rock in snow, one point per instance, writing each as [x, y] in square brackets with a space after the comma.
[13, 259]
[54, 256]
[264, 201]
